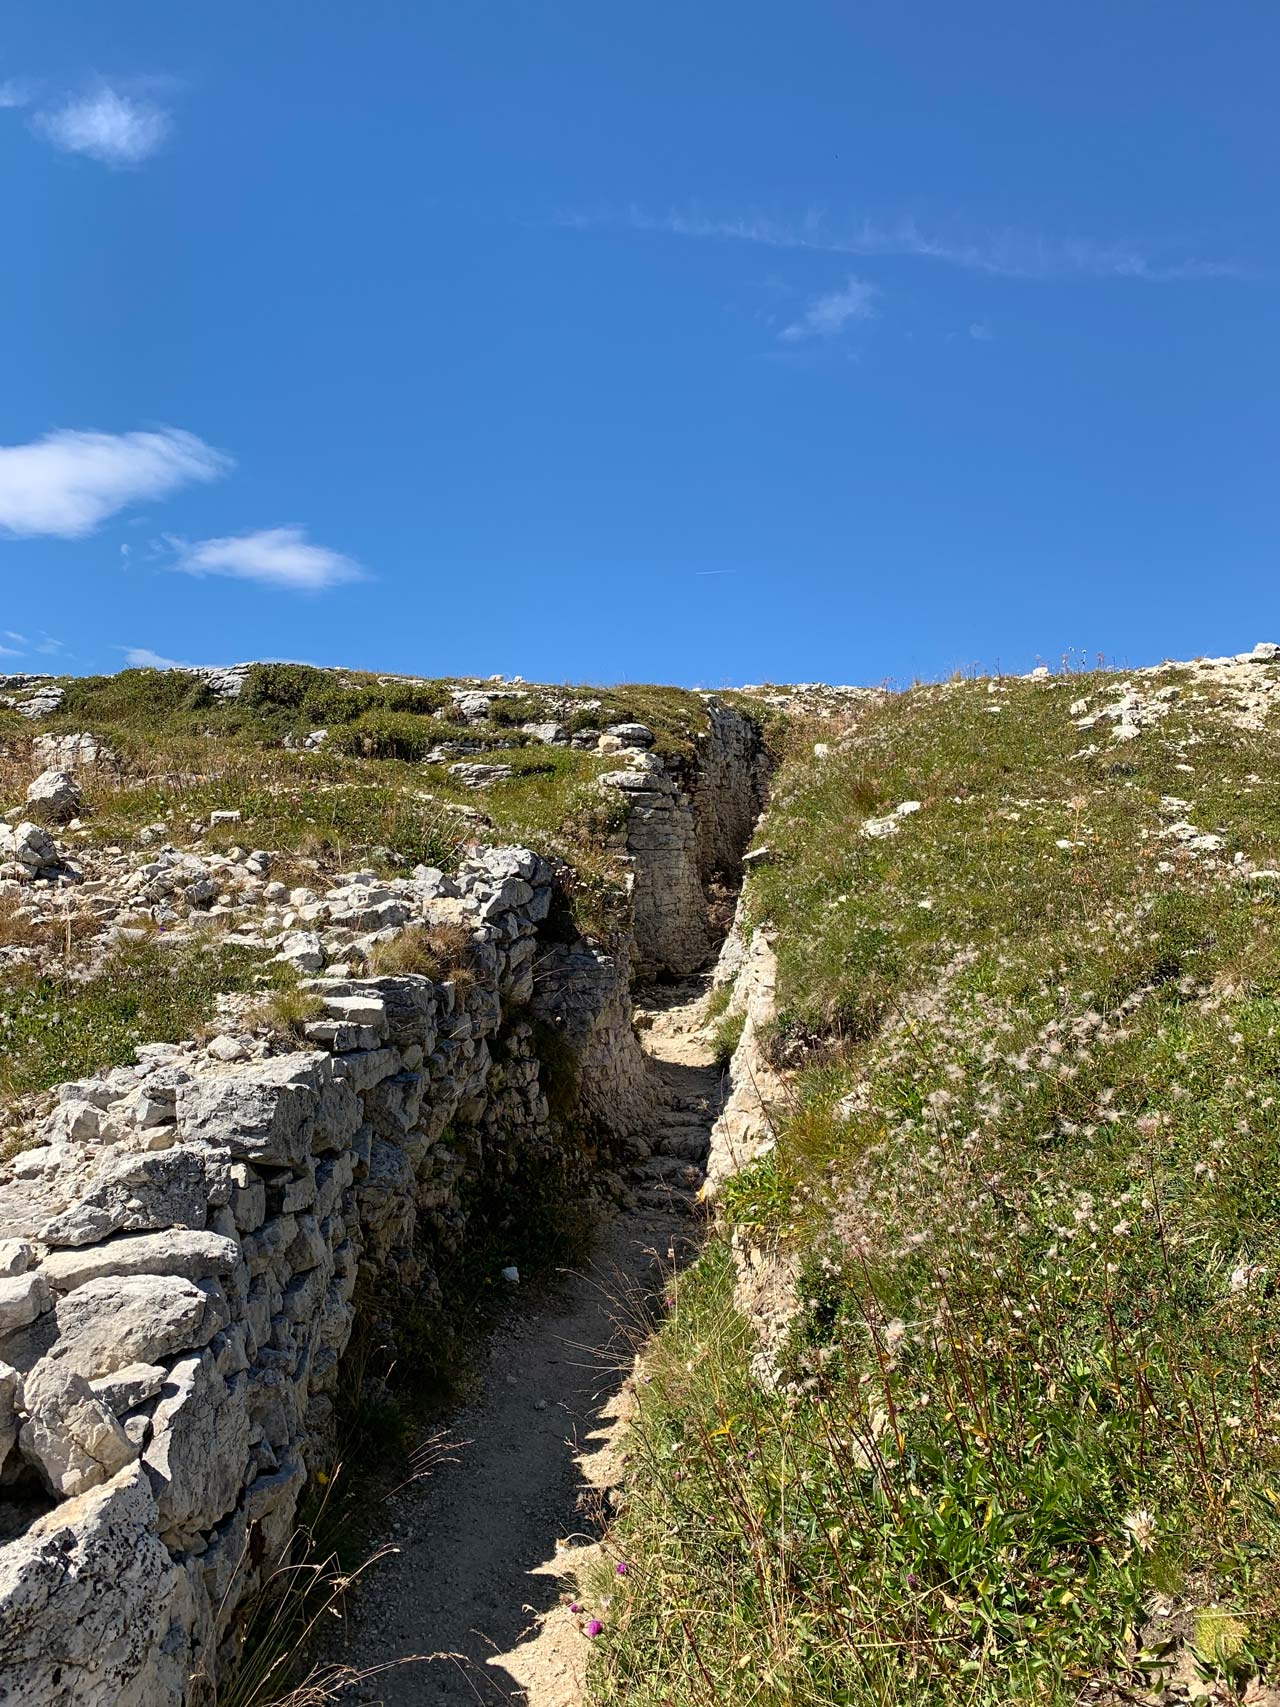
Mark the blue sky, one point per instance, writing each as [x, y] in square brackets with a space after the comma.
[705, 343]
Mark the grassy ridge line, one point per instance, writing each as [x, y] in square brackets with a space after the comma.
[1025, 1435]
[186, 754]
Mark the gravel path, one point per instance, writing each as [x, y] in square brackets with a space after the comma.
[489, 1542]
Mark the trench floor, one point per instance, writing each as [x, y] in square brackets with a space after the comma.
[473, 1608]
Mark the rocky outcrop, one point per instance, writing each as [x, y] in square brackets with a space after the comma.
[765, 1274]
[80, 751]
[32, 696]
[54, 797]
[745, 1129]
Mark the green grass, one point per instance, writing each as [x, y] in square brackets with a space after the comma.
[1031, 1384]
[367, 797]
[726, 1034]
[61, 1027]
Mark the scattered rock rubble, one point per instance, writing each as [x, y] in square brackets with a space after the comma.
[1243, 688]
[31, 696]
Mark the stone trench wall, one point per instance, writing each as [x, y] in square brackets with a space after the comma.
[687, 826]
[181, 1256]
[756, 1100]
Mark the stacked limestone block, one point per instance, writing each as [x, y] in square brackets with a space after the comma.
[670, 934]
[687, 824]
[177, 1282]
[728, 790]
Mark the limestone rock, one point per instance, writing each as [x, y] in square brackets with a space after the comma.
[43, 702]
[480, 776]
[263, 1111]
[635, 735]
[29, 846]
[226, 1048]
[133, 1385]
[303, 950]
[472, 707]
[131, 1318]
[192, 1255]
[89, 1599]
[81, 751]
[15, 1256]
[54, 797]
[70, 1435]
[10, 1391]
[23, 1297]
[199, 1447]
[550, 734]
[144, 1192]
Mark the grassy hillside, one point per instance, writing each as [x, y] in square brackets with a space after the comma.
[367, 796]
[1024, 1440]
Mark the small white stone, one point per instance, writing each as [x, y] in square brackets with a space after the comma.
[226, 1048]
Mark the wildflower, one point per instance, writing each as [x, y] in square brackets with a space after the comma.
[1140, 1526]
[575, 1606]
[894, 1334]
[595, 1628]
[622, 1568]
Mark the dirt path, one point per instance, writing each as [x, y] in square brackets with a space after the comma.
[489, 1542]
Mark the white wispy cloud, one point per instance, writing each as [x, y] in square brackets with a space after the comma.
[14, 92]
[68, 483]
[22, 644]
[276, 557]
[828, 316]
[980, 332]
[143, 658]
[1005, 254]
[119, 130]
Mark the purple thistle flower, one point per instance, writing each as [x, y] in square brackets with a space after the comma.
[574, 1606]
[595, 1628]
[623, 1568]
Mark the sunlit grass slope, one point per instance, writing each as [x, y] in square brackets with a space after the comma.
[1021, 1438]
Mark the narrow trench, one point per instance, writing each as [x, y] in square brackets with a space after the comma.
[469, 1611]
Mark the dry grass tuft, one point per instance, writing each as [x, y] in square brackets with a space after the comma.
[285, 1014]
[441, 951]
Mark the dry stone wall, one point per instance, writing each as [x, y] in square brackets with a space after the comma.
[180, 1258]
[687, 826]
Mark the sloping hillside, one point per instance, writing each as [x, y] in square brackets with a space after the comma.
[976, 1395]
